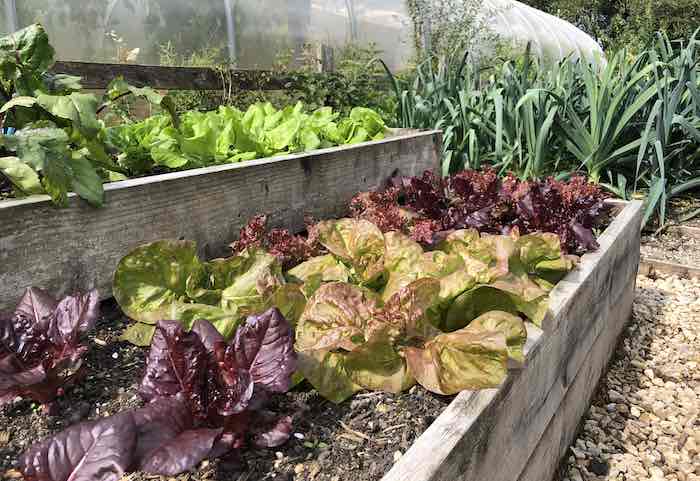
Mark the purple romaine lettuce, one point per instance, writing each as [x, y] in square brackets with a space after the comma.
[204, 400]
[40, 350]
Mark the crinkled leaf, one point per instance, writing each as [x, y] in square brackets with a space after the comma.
[470, 358]
[356, 242]
[512, 327]
[259, 275]
[335, 317]
[408, 312]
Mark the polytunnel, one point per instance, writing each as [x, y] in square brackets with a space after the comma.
[550, 37]
[255, 34]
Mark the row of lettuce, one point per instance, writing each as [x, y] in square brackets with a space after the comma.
[352, 305]
[60, 142]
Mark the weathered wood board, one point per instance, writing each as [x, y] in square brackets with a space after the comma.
[99, 75]
[521, 430]
[652, 267]
[78, 247]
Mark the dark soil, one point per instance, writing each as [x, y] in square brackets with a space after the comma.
[358, 440]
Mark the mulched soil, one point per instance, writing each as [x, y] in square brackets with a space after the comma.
[358, 440]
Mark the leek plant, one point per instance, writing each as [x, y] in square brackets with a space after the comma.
[631, 124]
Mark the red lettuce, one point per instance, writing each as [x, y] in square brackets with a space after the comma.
[40, 349]
[428, 208]
[204, 400]
[288, 248]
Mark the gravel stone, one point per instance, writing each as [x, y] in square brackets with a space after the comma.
[644, 422]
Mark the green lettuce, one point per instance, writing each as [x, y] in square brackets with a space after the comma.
[230, 135]
[349, 340]
[167, 280]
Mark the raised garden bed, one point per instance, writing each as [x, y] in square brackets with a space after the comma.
[518, 431]
[78, 247]
[521, 430]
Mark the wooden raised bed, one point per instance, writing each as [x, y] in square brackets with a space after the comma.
[78, 247]
[520, 431]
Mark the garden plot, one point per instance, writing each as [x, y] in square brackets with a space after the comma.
[362, 437]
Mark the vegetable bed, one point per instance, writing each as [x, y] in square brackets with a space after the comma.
[354, 306]
[78, 247]
[522, 429]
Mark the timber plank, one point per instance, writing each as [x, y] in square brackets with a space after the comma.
[561, 430]
[78, 247]
[491, 434]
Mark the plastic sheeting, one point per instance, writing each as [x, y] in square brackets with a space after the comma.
[550, 37]
[260, 33]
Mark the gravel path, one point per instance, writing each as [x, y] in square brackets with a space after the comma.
[672, 246]
[644, 423]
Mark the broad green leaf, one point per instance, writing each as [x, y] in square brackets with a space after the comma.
[80, 109]
[328, 374]
[86, 182]
[153, 277]
[335, 318]
[471, 358]
[21, 101]
[138, 334]
[327, 267]
[22, 176]
[378, 366]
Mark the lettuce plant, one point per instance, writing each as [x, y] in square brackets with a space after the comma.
[514, 272]
[204, 400]
[230, 135]
[59, 143]
[348, 341]
[167, 280]
[289, 249]
[427, 207]
[40, 349]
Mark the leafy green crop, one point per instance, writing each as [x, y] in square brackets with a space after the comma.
[375, 311]
[59, 144]
[230, 135]
[166, 280]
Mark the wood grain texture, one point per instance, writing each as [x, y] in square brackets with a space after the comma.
[652, 267]
[78, 247]
[492, 434]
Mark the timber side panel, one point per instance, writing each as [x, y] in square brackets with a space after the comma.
[492, 434]
[78, 247]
